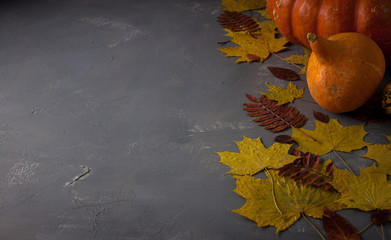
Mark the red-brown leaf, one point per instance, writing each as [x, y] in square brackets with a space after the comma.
[321, 117]
[380, 216]
[308, 170]
[284, 73]
[252, 98]
[337, 227]
[237, 22]
[283, 139]
[296, 152]
[272, 116]
[253, 57]
[329, 169]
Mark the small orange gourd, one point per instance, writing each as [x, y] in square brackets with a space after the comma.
[344, 70]
[386, 98]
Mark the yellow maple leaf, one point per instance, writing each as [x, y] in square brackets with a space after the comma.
[279, 201]
[265, 14]
[300, 59]
[255, 157]
[369, 191]
[282, 95]
[242, 5]
[381, 153]
[331, 136]
[261, 44]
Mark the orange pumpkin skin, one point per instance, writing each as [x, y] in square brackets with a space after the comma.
[344, 71]
[296, 18]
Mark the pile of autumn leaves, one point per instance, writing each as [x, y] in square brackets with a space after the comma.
[279, 200]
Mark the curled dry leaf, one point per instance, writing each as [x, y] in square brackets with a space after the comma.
[272, 116]
[321, 117]
[284, 73]
[380, 216]
[337, 227]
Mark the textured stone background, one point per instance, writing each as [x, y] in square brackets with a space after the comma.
[111, 114]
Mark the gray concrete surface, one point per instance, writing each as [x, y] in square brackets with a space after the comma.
[111, 114]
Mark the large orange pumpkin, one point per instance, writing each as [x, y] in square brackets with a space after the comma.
[296, 18]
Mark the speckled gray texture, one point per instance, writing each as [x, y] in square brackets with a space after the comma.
[111, 114]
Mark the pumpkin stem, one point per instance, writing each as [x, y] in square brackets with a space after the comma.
[321, 47]
[311, 37]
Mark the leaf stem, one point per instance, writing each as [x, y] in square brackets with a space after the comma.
[365, 228]
[275, 54]
[382, 231]
[304, 133]
[316, 229]
[307, 101]
[343, 161]
[273, 193]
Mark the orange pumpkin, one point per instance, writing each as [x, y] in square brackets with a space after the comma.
[344, 71]
[296, 18]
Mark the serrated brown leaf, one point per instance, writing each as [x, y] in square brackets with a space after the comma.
[309, 170]
[237, 22]
[272, 116]
[283, 139]
[380, 216]
[284, 73]
[337, 227]
[321, 117]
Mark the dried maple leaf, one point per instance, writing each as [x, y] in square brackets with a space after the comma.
[337, 227]
[284, 73]
[381, 153]
[265, 14]
[282, 95]
[255, 157]
[310, 171]
[237, 22]
[331, 136]
[261, 45]
[300, 59]
[243, 5]
[369, 191]
[278, 201]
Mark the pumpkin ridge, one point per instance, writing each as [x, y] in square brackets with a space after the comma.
[316, 27]
[355, 20]
[374, 66]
